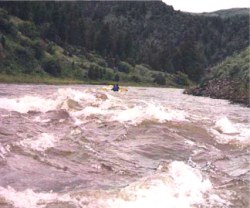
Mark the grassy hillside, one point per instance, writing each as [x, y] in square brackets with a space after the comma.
[151, 33]
[235, 67]
[228, 80]
[27, 57]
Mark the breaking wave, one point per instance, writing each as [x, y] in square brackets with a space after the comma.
[227, 131]
[42, 142]
[100, 149]
[180, 186]
[84, 104]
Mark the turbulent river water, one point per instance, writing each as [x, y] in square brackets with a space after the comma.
[84, 146]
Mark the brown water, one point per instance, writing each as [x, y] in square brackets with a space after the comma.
[86, 146]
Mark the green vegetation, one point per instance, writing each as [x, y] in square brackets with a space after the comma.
[28, 58]
[26, 78]
[142, 42]
[228, 80]
[235, 68]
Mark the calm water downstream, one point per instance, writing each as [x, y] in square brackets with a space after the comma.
[87, 147]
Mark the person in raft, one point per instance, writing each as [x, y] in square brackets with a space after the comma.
[115, 87]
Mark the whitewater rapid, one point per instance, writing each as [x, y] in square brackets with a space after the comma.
[86, 146]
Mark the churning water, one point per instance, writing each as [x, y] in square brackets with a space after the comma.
[82, 146]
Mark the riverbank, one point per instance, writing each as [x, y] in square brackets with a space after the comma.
[228, 80]
[222, 89]
[35, 79]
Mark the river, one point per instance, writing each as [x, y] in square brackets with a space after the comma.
[89, 147]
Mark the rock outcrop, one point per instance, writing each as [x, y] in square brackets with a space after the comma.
[223, 89]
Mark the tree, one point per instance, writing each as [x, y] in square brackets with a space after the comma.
[117, 78]
[39, 50]
[160, 79]
[3, 41]
[103, 40]
[124, 67]
[190, 60]
[1, 52]
[29, 29]
[90, 36]
[52, 67]
[95, 72]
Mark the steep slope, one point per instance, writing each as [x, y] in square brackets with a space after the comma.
[26, 56]
[139, 32]
[228, 80]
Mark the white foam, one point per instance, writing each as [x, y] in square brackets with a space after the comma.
[38, 119]
[181, 187]
[150, 111]
[76, 95]
[28, 198]
[225, 126]
[36, 103]
[81, 104]
[4, 150]
[114, 109]
[27, 103]
[189, 142]
[43, 142]
[226, 131]
[133, 115]
[244, 132]
[90, 110]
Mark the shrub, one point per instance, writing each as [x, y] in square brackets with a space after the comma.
[3, 14]
[95, 72]
[101, 62]
[52, 66]
[7, 27]
[117, 78]
[39, 50]
[108, 75]
[135, 78]
[3, 41]
[160, 79]
[24, 54]
[181, 78]
[124, 67]
[28, 29]
[51, 48]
